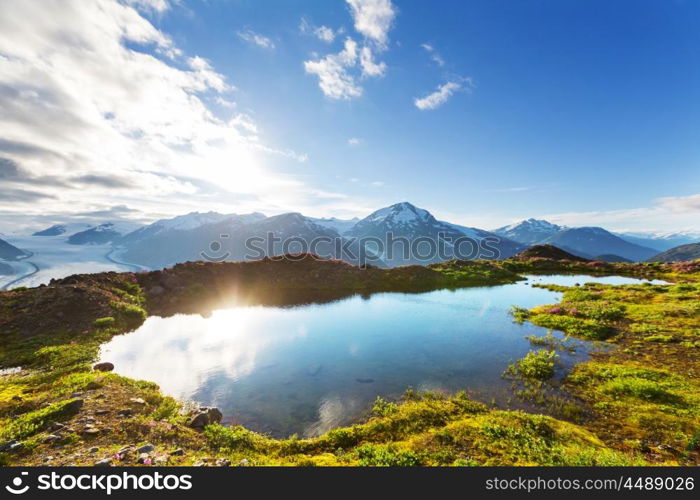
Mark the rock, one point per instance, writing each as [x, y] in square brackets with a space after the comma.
[94, 449]
[137, 401]
[178, 452]
[223, 462]
[51, 438]
[146, 448]
[74, 405]
[204, 417]
[10, 445]
[105, 462]
[105, 366]
[56, 426]
[214, 415]
[199, 421]
[47, 459]
[126, 412]
[161, 460]
[144, 458]
[101, 412]
[243, 462]
[198, 464]
[91, 431]
[76, 394]
[17, 398]
[156, 290]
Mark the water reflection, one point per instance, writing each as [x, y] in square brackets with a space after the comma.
[310, 368]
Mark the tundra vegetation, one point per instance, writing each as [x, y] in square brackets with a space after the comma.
[639, 398]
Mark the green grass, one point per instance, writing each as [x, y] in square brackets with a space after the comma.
[639, 395]
[535, 365]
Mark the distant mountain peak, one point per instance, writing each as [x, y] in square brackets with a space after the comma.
[529, 231]
[403, 213]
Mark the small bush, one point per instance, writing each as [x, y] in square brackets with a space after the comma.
[537, 365]
[384, 408]
[520, 314]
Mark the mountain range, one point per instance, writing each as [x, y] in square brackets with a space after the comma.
[216, 236]
[592, 242]
[222, 237]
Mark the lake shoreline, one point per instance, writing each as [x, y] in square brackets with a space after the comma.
[56, 349]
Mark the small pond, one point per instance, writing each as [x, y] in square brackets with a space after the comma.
[307, 369]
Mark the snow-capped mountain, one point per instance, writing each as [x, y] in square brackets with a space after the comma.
[404, 220]
[188, 222]
[64, 229]
[661, 241]
[530, 231]
[340, 225]
[101, 234]
[231, 238]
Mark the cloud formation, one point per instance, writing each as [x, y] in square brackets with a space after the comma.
[93, 95]
[338, 73]
[254, 38]
[437, 98]
[323, 33]
[373, 19]
[334, 77]
[434, 55]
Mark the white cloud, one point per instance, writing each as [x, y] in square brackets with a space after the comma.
[667, 213]
[159, 6]
[88, 91]
[254, 38]
[323, 33]
[681, 204]
[373, 18]
[437, 98]
[434, 55]
[338, 72]
[369, 67]
[354, 141]
[334, 79]
[222, 101]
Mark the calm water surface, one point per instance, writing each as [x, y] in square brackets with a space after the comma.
[310, 368]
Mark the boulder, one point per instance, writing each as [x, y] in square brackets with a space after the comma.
[215, 415]
[103, 367]
[204, 417]
[199, 421]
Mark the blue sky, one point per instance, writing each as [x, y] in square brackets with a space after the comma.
[584, 112]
